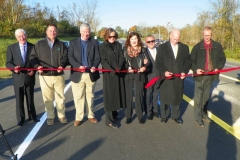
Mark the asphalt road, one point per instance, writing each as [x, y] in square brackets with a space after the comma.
[152, 140]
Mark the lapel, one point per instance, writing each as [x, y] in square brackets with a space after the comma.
[89, 46]
[28, 50]
[179, 51]
[150, 55]
[18, 53]
[78, 46]
[170, 50]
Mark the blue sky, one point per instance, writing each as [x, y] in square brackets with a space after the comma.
[126, 13]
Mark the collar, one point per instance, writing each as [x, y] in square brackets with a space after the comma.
[21, 45]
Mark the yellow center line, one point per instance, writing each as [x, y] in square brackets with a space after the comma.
[234, 130]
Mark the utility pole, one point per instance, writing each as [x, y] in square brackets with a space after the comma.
[159, 33]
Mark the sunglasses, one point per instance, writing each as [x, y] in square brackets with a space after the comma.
[150, 41]
[111, 36]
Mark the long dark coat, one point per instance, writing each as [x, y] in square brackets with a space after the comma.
[171, 91]
[113, 83]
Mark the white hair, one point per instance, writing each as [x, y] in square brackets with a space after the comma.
[85, 25]
[19, 30]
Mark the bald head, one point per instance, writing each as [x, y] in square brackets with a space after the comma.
[175, 36]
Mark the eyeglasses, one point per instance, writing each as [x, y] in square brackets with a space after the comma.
[111, 36]
[150, 41]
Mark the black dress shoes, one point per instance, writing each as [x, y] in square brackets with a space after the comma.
[163, 121]
[150, 117]
[117, 117]
[156, 115]
[112, 125]
[128, 121]
[21, 122]
[141, 121]
[177, 120]
[34, 120]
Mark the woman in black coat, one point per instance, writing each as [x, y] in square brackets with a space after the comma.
[137, 63]
[113, 83]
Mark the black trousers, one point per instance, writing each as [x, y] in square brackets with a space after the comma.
[152, 99]
[202, 92]
[137, 86]
[28, 91]
[165, 110]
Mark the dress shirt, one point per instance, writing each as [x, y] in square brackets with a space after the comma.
[153, 52]
[175, 50]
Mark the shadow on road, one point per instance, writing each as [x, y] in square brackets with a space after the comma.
[218, 147]
[87, 150]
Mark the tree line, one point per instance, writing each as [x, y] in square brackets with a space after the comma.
[223, 16]
[34, 18]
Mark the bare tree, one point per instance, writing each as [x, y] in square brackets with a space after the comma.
[143, 28]
[89, 13]
[86, 11]
[11, 11]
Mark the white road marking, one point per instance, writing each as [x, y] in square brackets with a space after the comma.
[230, 65]
[21, 149]
[234, 79]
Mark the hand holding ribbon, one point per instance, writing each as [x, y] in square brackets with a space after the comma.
[17, 69]
[40, 69]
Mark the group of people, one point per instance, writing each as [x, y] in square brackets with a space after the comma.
[127, 70]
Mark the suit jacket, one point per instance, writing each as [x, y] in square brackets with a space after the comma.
[14, 58]
[151, 72]
[171, 91]
[75, 58]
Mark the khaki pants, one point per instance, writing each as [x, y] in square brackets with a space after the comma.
[82, 91]
[53, 87]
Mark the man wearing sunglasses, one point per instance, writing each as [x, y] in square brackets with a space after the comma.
[172, 59]
[151, 92]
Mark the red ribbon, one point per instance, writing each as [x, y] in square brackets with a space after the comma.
[154, 80]
[75, 69]
[149, 84]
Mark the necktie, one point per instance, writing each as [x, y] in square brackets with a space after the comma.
[23, 53]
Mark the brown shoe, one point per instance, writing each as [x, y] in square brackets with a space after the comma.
[77, 123]
[93, 120]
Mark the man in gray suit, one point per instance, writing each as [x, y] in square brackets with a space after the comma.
[84, 55]
[152, 92]
[23, 80]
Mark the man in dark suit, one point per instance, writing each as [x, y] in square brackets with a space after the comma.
[84, 55]
[152, 92]
[23, 79]
[172, 58]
